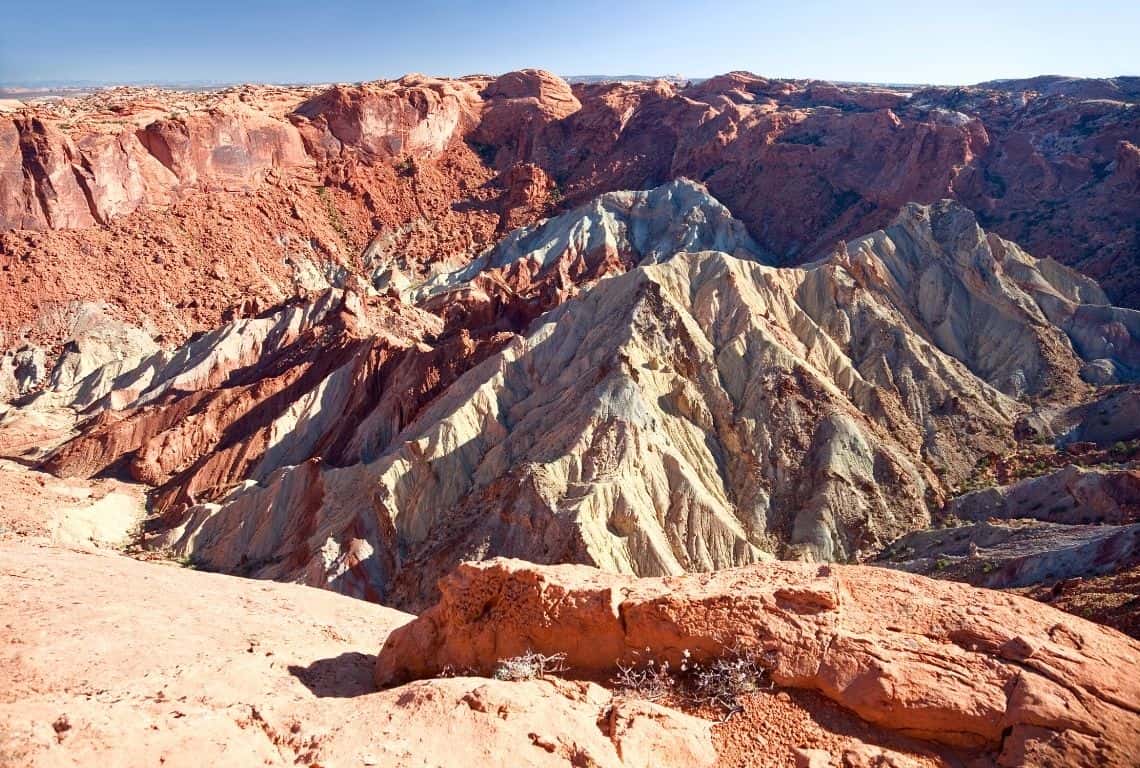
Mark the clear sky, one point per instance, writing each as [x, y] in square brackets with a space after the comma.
[949, 41]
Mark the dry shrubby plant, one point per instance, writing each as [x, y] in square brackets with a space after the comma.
[651, 681]
[723, 680]
[529, 666]
[718, 683]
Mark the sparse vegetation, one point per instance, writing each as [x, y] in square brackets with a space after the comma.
[486, 152]
[718, 683]
[803, 139]
[650, 681]
[335, 219]
[529, 666]
[1124, 450]
[721, 682]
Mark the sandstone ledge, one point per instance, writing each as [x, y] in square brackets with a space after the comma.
[935, 660]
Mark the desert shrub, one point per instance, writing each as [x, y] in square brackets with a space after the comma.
[722, 682]
[529, 666]
[651, 681]
[486, 152]
[717, 683]
[335, 220]
[802, 139]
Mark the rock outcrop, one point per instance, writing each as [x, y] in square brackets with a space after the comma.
[59, 182]
[1070, 496]
[413, 117]
[533, 269]
[270, 674]
[1018, 553]
[936, 660]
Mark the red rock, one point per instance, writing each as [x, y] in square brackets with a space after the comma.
[518, 106]
[415, 116]
[802, 163]
[937, 660]
[53, 192]
[527, 198]
[155, 664]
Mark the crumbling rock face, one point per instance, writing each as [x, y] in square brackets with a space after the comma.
[519, 105]
[533, 269]
[41, 186]
[698, 412]
[22, 371]
[936, 660]
[226, 403]
[1012, 319]
[528, 196]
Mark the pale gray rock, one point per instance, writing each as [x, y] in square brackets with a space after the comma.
[643, 227]
[697, 412]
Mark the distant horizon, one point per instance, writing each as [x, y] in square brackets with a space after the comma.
[32, 85]
[294, 42]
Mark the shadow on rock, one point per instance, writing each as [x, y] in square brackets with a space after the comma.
[343, 676]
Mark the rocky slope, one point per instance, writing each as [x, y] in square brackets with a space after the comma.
[1057, 534]
[115, 662]
[698, 412]
[201, 199]
[225, 667]
[938, 661]
[111, 660]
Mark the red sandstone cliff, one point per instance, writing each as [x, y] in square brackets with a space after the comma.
[158, 187]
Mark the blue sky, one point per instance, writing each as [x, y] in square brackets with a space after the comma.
[287, 41]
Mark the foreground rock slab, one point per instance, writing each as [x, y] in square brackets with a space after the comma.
[934, 660]
[111, 661]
